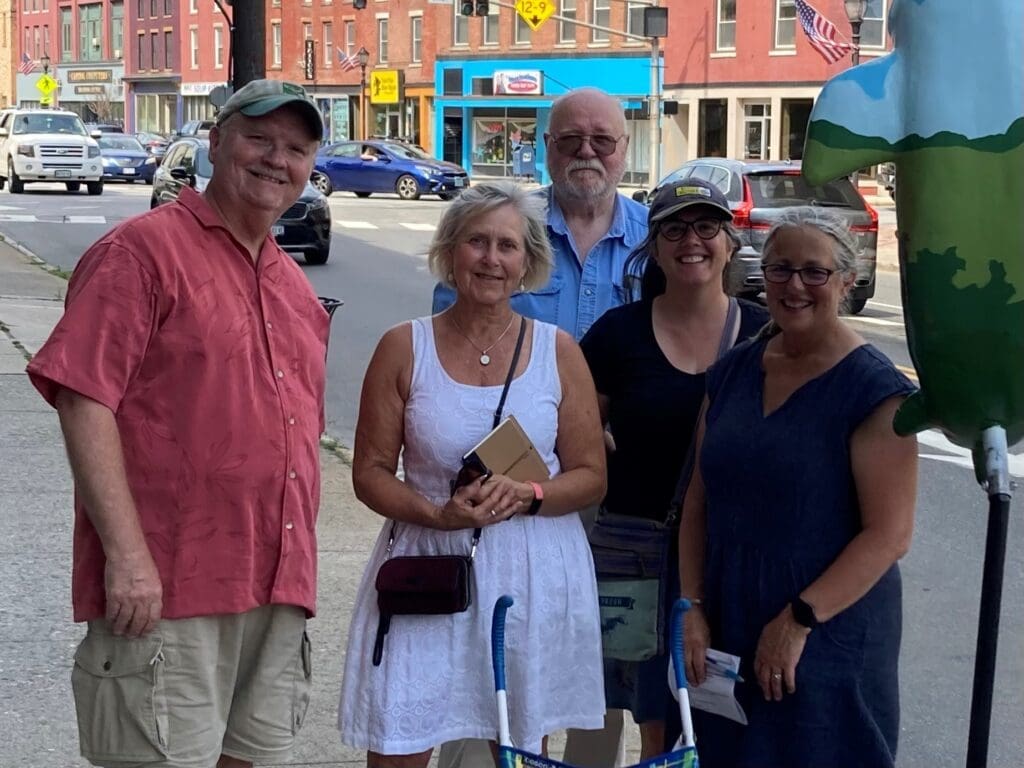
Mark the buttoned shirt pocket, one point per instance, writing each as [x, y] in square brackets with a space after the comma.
[541, 304]
[119, 697]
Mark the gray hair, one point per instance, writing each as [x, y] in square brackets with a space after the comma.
[844, 249]
[560, 102]
[481, 199]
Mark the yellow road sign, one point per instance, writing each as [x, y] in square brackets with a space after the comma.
[535, 12]
[46, 85]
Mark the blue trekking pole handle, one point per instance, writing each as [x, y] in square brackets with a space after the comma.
[498, 640]
[682, 605]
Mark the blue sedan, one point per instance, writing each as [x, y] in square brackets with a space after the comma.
[125, 159]
[365, 167]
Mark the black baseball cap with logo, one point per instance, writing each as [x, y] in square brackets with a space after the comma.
[680, 195]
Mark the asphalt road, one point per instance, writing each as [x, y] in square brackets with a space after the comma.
[378, 268]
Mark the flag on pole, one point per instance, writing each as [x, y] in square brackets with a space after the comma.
[821, 33]
[347, 62]
[27, 66]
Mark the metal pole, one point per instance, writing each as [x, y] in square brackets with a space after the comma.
[249, 44]
[362, 101]
[655, 113]
[856, 42]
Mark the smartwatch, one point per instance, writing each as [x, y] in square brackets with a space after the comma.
[803, 613]
[538, 498]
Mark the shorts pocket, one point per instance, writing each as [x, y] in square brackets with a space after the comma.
[119, 698]
[303, 684]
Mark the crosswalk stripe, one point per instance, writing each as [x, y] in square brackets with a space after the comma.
[85, 219]
[875, 321]
[18, 217]
[355, 224]
[419, 227]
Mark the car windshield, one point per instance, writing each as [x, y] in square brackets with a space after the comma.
[782, 190]
[69, 124]
[203, 165]
[409, 152]
[120, 142]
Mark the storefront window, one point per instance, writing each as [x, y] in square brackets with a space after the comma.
[495, 137]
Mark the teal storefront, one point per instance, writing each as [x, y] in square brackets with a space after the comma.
[490, 113]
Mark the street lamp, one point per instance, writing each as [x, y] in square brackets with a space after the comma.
[363, 56]
[855, 10]
[44, 60]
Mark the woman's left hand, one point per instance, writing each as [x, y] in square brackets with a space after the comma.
[504, 496]
[778, 652]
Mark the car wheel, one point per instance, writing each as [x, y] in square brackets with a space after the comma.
[447, 195]
[322, 183]
[856, 306]
[362, 194]
[318, 255]
[17, 185]
[94, 187]
[407, 188]
[73, 186]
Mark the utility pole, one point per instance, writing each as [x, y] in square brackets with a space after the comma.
[248, 43]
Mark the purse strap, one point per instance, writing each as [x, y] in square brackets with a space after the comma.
[497, 420]
[729, 335]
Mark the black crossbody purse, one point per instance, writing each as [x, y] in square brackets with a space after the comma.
[431, 585]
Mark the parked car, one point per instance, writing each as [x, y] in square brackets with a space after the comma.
[304, 228]
[48, 145]
[195, 128]
[365, 167]
[758, 192]
[104, 127]
[155, 144]
[125, 159]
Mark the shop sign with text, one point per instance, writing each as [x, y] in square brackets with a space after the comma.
[518, 82]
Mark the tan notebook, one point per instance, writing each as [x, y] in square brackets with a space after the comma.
[507, 450]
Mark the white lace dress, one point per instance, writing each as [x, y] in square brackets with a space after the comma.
[435, 682]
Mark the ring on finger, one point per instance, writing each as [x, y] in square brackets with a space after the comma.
[776, 675]
[493, 513]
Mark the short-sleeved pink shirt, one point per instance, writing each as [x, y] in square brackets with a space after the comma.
[214, 368]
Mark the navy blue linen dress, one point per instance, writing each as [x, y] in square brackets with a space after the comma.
[781, 506]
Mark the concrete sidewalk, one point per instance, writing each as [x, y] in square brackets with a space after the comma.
[37, 635]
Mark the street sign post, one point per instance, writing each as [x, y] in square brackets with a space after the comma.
[535, 12]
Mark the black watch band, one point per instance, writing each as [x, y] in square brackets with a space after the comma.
[804, 613]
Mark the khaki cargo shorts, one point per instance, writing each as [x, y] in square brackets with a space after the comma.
[194, 689]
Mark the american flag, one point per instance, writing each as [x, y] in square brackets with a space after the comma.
[27, 66]
[821, 33]
[347, 62]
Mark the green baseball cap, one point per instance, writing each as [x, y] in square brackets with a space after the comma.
[261, 97]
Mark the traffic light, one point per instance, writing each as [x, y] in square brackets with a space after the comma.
[359, 4]
[481, 8]
[466, 8]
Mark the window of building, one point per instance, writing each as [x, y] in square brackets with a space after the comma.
[726, 40]
[307, 30]
[635, 18]
[275, 43]
[460, 34]
[491, 25]
[117, 29]
[872, 31]
[193, 47]
[154, 50]
[38, 48]
[522, 31]
[566, 29]
[153, 4]
[602, 17]
[328, 44]
[712, 128]
[350, 38]
[416, 36]
[168, 7]
[785, 23]
[218, 47]
[90, 32]
[141, 9]
[757, 130]
[193, 6]
[67, 34]
[168, 49]
[382, 41]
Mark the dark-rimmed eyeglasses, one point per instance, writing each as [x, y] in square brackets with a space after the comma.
[781, 274]
[602, 144]
[706, 229]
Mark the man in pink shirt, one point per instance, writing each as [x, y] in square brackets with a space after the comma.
[188, 372]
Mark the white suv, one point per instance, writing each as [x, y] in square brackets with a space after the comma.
[48, 145]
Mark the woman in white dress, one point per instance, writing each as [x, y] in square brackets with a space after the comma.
[430, 395]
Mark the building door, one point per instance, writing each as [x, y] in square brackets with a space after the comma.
[757, 130]
[796, 113]
[451, 149]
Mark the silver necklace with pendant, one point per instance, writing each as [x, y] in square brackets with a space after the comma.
[485, 359]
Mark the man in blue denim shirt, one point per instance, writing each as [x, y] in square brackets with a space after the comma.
[591, 227]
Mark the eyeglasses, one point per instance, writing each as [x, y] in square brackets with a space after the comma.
[602, 144]
[706, 229]
[781, 274]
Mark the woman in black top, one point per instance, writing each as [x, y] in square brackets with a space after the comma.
[648, 360]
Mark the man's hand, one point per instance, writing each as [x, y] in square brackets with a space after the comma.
[134, 594]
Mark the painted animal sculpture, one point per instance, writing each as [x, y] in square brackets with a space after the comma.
[947, 105]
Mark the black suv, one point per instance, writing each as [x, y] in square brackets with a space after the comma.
[757, 192]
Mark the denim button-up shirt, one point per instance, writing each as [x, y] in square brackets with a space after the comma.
[580, 290]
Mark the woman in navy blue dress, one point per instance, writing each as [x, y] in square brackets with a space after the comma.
[802, 505]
